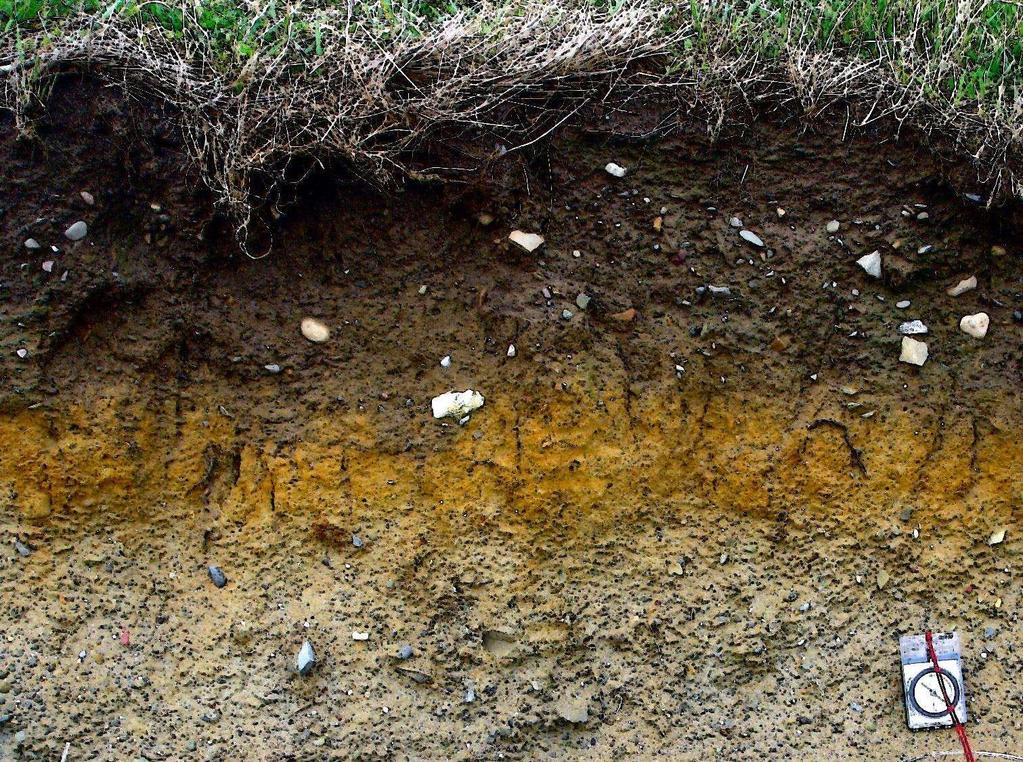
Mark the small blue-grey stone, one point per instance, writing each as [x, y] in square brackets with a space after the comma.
[23, 550]
[357, 541]
[405, 652]
[306, 659]
[217, 576]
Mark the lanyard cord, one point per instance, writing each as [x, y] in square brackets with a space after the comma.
[960, 729]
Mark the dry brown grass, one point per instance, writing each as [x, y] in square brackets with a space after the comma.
[493, 80]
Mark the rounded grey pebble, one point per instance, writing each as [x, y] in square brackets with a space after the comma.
[77, 232]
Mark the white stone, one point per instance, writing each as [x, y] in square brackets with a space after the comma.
[32, 244]
[48, 265]
[871, 263]
[511, 350]
[997, 537]
[456, 404]
[903, 304]
[833, 226]
[356, 635]
[735, 222]
[22, 353]
[77, 232]
[528, 241]
[975, 325]
[615, 169]
[966, 284]
[912, 328]
[87, 197]
[914, 352]
[445, 361]
[572, 709]
[750, 237]
[314, 330]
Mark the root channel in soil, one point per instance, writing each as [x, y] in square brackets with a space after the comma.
[701, 502]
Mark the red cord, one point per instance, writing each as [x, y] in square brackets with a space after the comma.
[960, 729]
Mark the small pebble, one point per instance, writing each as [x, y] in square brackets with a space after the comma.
[582, 301]
[528, 241]
[833, 226]
[357, 541]
[273, 368]
[405, 652]
[32, 244]
[314, 330]
[903, 304]
[975, 325]
[912, 328]
[913, 352]
[871, 264]
[217, 575]
[77, 231]
[511, 350]
[966, 284]
[735, 222]
[306, 659]
[750, 237]
[445, 361]
[615, 170]
[566, 314]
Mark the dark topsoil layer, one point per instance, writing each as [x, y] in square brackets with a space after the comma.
[159, 288]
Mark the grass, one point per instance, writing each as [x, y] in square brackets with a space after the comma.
[263, 85]
[983, 41]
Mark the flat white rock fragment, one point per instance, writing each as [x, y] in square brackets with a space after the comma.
[914, 352]
[616, 170]
[456, 404]
[833, 226]
[912, 328]
[966, 284]
[528, 241]
[871, 264]
[975, 325]
[750, 237]
[314, 330]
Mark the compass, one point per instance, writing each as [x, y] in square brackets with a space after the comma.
[922, 684]
[926, 695]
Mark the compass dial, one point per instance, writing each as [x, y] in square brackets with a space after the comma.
[925, 692]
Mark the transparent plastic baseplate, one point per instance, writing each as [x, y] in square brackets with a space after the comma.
[925, 704]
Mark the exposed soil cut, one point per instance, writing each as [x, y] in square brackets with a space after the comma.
[693, 516]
